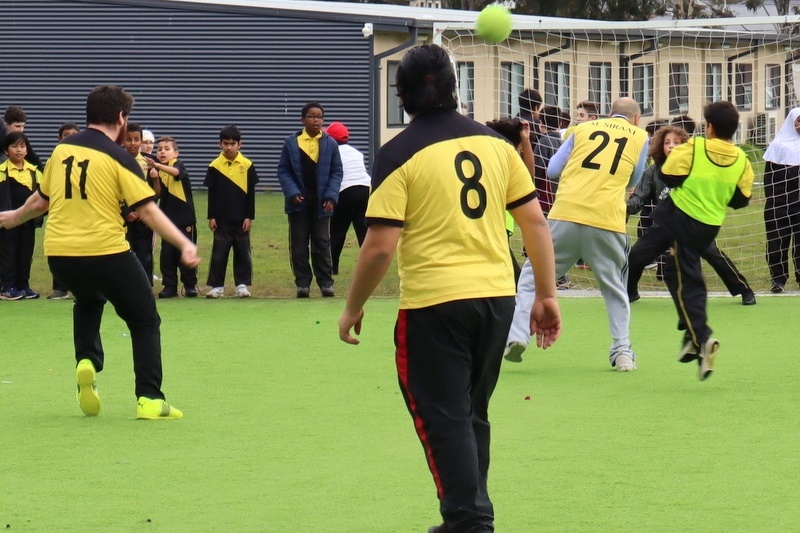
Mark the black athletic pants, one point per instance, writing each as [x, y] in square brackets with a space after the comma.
[783, 233]
[230, 235]
[646, 250]
[448, 360]
[683, 274]
[170, 262]
[782, 221]
[351, 208]
[140, 237]
[16, 256]
[306, 227]
[121, 280]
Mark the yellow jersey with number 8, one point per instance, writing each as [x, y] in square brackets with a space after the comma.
[447, 182]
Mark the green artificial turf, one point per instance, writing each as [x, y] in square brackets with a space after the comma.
[288, 429]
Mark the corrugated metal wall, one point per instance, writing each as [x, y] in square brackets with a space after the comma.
[191, 73]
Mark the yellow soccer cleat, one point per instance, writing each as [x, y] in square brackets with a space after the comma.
[87, 395]
[147, 409]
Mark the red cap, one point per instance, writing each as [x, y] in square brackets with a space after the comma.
[338, 131]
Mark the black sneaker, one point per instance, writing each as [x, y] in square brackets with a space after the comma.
[689, 351]
[633, 297]
[30, 294]
[303, 292]
[777, 288]
[168, 292]
[190, 292]
[748, 298]
[327, 291]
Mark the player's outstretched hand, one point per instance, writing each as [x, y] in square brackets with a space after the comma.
[545, 322]
[348, 321]
[189, 255]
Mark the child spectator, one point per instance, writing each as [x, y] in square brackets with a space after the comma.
[353, 194]
[60, 291]
[310, 173]
[231, 180]
[14, 119]
[18, 180]
[518, 133]
[548, 145]
[138, 234]
[148, 141]
[178, 205]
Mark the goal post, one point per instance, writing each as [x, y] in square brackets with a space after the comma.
[671, 67]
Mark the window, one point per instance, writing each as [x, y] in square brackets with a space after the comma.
[556, 84]
[678, 88]
[466, 86]
[395, 114]
[512, 82]
[713, 82]
[600, 86]
[743, 86]
[643, 87]
[772, 94]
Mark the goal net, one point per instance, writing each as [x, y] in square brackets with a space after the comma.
[671, 68]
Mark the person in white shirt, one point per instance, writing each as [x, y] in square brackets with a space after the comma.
[353, 194]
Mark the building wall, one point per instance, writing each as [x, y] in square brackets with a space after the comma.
[191, 71]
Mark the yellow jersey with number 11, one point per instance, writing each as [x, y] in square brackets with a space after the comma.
[86, 180]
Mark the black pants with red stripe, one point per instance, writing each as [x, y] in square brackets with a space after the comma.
[121, 280]
[448, 361]
[683, 273]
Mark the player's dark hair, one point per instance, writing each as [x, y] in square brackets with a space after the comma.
[309, 106]
[684, 122]
[530, 100]
[67, 126]
[106, 102]
[590, 108]
[550, 117]
[230, 133]
[724, 117]
[509, 128]
[134, 127]
[655, 125]
[657, 142]
[14, 113]
[426, 80]
[167, 139]
[13, 138]
[565, 118]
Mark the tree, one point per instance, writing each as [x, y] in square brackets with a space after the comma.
[782, 6]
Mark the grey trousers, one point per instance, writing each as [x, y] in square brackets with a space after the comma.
[606, 252]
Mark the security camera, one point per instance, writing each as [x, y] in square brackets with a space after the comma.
[366, 31]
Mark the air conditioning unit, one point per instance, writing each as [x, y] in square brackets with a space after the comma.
[741, 135]
[765, 126]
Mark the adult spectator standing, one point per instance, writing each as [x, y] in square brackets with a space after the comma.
[310, 173]
[782, 208]
[530, 107]
[85, 245]
[351, 207]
